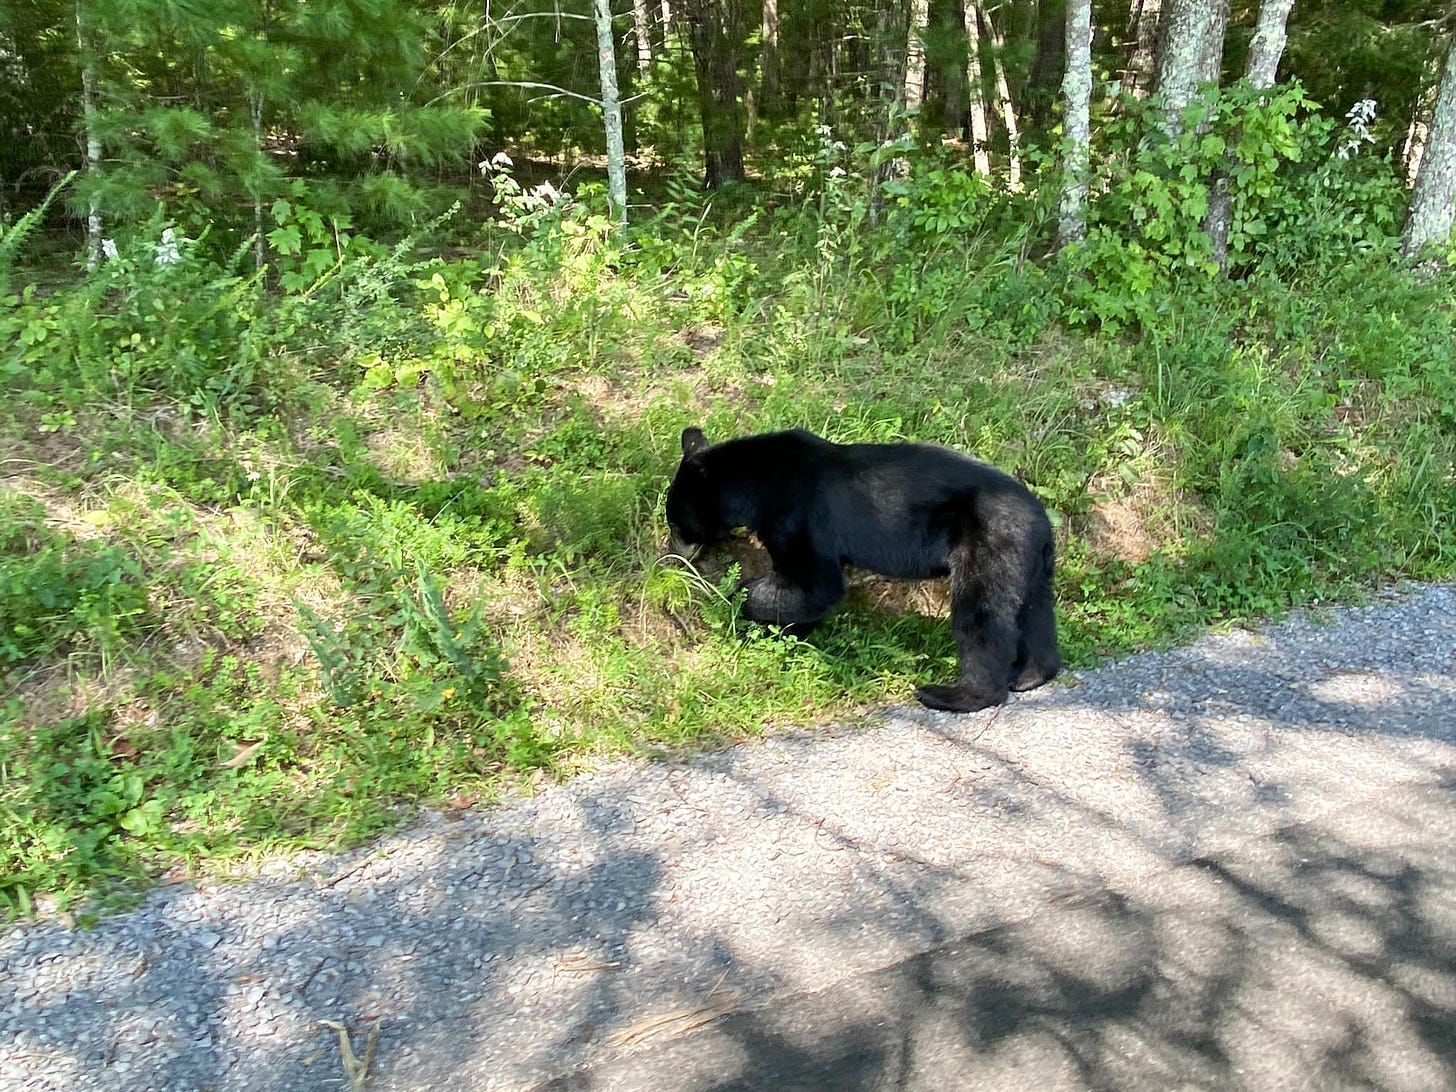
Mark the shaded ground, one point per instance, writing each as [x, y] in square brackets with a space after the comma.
[1222, 866]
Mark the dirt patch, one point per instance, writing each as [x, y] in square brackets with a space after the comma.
[1153, 516]
[403, 455]
[1118, 530]
[703, 338]
[930, 598]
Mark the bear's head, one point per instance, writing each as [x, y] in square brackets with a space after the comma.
[694, 505]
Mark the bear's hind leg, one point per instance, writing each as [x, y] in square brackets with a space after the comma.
[984, 605]
[1038, 660]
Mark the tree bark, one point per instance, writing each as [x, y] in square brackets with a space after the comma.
[1044, 86]
[642, 31]
[1210, 60]
[1425, 103]
[914, 93]
[1077, 90]
[768, 59]
[1433, 204]
[260, 241]
[1267, 47]
[715, 33]
[1144, 34]
[611, 110]
[889, 65]
[1261, 70]
[1003, 104]
[93, 142]
[976, 93]
[1190, 49]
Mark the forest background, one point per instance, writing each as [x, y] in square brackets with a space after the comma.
[347, 344]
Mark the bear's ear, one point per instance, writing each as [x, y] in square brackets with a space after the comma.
[693, 442]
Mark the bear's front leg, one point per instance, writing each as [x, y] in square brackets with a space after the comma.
[777, 600]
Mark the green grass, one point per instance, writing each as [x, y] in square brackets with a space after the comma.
[278, 567]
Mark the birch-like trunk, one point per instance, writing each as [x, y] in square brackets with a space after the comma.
[1143, 30]
[642, 31]
[1003, 104]
[93, 142]
[260, 245]
[1267, 47]
[1190, 50]
[976, 93]
[1210, 60]
[1262, 68]
[768, 56]
[1077, 90]
[1433, 204]
[611, 111]
[915, 54]
[1425, 104]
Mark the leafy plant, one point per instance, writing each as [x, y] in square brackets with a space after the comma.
[57, 591]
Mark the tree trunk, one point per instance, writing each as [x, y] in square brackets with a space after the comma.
[768, 59]
[915, 54]
[1261, 70]
[642, 31]
[260, 241]
[889, 61]
[611, 110]
[1267, 46]
[1043, 87]
[976, 93]
[1210, 61]
[1003, 104]
[1190, 48]
[93, 142]
[1144, 34]
[1077, 89]
[1425, 103]
[715, 33]
[1434, 202]
[952, 74]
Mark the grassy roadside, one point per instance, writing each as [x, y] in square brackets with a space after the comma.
[278, 565]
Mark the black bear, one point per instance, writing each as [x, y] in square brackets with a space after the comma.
[910, 511]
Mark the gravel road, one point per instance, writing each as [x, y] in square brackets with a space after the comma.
[587, 933]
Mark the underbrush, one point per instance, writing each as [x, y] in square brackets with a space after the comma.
[282, 561]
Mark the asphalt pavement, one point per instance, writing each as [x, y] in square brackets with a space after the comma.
[1227, 865]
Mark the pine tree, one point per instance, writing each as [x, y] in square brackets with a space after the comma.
[211, 109]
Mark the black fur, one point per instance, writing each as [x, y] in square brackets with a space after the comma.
[901, 510]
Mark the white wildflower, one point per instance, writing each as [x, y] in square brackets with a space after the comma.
[168, 250]
[1357, 119]
[108, 249]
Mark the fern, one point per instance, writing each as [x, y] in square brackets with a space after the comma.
[13, 238]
